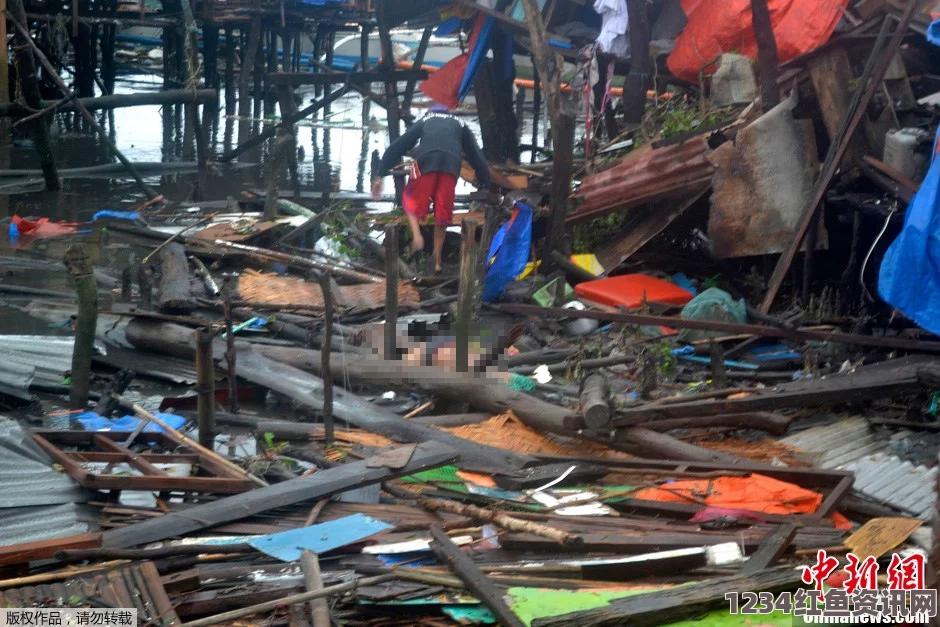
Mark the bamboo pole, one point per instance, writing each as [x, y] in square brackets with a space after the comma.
[319, 609]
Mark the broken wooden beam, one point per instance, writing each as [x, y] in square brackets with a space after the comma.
[475, 579]
[771, 549]
[730, 328]
[312, 487]
[175, 291]
[319, 609]
[595, 400]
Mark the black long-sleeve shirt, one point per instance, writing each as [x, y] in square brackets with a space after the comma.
[443, 143]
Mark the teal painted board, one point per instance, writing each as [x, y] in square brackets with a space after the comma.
[288, 545]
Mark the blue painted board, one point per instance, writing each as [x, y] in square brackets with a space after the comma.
[288, 545]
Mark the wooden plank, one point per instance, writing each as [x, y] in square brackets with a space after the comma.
[153, 458]
[868, 382]
[477, 582]
[771, 549]
[45, 549]
[880, 535]
[319, 608]
[667, 606]
[351, 78]
[317, 486]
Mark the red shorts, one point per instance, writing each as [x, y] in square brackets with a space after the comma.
[436, 186]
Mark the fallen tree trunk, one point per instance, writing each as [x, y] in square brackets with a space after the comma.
[173, 339]
[647, 443]
[175, 292]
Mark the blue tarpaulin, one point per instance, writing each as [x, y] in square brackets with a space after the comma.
[288, 545]
[511, 248]
[909, 279]
[91, 421]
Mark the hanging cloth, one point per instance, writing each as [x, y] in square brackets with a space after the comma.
[615, 27]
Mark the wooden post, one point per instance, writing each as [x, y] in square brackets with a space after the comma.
[244, 79]
[145, 286]
[466, 290]
[364, 47]
[127, 284]
[719, 373]
[766, 54]
[210, 54]
[327, 289]
[418, 62]
[595, 400]
[81, 270]
[536, 110]
[29, 86]
[205, 386]
[391, 89]
[283, 146]
[229, 70]
[549, 66]
[319, 608]
[51, 71]
[231, 356]
[391, 291]
[637, 82]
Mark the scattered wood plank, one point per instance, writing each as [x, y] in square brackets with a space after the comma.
[771, 549]
[476, 580]
[880, 535]
[317, 486]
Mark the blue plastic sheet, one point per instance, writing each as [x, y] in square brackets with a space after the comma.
[477, 57]
[91, 421]
[288, 545]
[909, 279]
[120, 215]
[511, 248]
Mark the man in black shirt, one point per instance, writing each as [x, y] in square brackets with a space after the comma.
[443, 143]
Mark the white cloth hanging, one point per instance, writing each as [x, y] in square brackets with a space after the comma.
[615, 27]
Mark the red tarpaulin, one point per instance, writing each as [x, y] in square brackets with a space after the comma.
[722, 26]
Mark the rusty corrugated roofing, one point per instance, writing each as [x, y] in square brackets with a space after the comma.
[645, 175]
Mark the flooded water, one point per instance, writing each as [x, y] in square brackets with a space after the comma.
[334, 152]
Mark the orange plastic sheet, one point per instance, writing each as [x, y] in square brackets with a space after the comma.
[758, 493]
[718, 26]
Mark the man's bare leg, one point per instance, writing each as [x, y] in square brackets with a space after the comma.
[440, 231]
[417, 240]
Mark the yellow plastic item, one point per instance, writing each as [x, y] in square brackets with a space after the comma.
[589, 262]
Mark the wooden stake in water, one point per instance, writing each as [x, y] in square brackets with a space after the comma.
[79, 266]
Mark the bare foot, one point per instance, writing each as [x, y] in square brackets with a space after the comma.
[417, 245]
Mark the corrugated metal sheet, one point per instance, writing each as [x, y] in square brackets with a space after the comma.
[832, 445]
[28, 358]
[26, 474]
[645, 175]
[36, 502]
[850, 445]
[897, 482]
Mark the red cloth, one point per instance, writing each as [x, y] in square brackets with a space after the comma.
[432, 186]
[443, 86]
